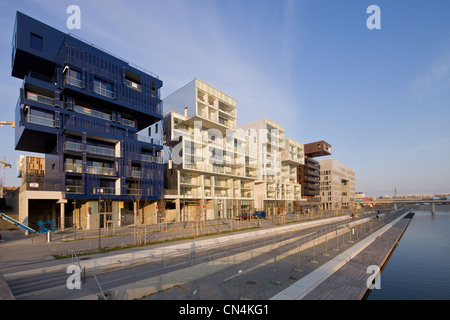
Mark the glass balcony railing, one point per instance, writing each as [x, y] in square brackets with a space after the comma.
[135, 192]
[73, 167]
[105, 171]
[78, 147]
[74, 82]
[40, 120]
[100, 151]
[72, 146]
[127, 122]
[135, 173]
[91, 112]
[132, 85]
[104, 190]
[74, 189]
[40, 98]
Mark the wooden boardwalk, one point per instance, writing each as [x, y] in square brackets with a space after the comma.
[350, 281]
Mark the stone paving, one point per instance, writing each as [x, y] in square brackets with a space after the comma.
[265, 282]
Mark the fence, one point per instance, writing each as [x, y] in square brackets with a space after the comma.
[286, 252]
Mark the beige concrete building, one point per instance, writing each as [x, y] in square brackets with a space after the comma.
[208, 173]
[276, 188]
[337, 185]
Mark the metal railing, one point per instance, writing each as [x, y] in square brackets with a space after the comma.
[74, 254]
[40, 120]
[101, 151]
[91, 112]
[74, 82]
[40, 98]
[101, 170]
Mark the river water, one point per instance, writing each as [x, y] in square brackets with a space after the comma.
[419, 268]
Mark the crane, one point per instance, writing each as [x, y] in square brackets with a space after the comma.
[11, 123]
[4, 165]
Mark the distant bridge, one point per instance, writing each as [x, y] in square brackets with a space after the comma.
[431, 202]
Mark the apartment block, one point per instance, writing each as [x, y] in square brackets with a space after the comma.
[208, 172]
[31, 169]
[337, 185]
[83, 108]
[276, 187]
[309, 172]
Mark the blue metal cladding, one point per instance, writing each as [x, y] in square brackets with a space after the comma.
[94, 65]
[86, 105]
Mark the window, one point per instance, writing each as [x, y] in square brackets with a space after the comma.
[37, 42]
[132, 80]
[74, 78]
[104, 88]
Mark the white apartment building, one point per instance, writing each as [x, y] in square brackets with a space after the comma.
[277, 189]
[209, 172]
[337, 185]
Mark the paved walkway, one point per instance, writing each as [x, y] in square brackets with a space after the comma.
[243, 282]
[18, 254]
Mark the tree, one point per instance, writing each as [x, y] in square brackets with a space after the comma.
[282, 210]
[161, 213]
[297, 209]
[198, 213]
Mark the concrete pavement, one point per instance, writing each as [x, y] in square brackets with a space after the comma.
[19, 258]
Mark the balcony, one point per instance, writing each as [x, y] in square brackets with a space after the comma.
[78, 147]
[135, 173]
[72, 146]
[101, 151]
[40, 98]
[74, 189]
[149, 158]
[40, 120]
[74, 82]
[132, 85]
[129, 123]
[92, 113]
[133, 191]
[73, 167]
[104, 171]
[104, 190]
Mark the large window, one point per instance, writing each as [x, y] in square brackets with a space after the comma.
[74, 78]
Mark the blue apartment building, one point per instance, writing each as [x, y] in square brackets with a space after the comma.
[83, 108]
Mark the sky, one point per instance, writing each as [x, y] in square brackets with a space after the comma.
[380, 97]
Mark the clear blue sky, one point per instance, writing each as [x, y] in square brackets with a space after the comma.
[379, 97]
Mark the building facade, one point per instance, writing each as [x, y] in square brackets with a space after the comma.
[31, 169]
[83, 108]
[277, 190]
[337, 185]
[209, 173]
[309, 172]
